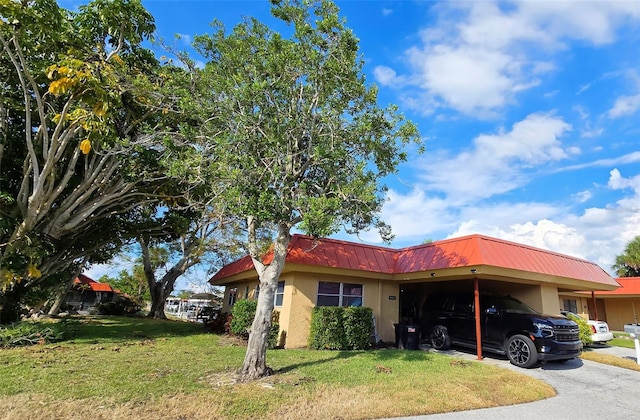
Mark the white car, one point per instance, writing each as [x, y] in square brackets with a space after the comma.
[600, 332]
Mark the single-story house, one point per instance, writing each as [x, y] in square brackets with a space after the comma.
[87, 292]
[396, 282]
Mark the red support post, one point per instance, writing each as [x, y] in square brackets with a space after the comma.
[476, 295]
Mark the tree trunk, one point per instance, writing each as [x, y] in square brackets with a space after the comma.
[157, 302]
[62, 293]
[255, 360]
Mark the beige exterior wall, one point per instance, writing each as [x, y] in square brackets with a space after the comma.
[295, 318]
[621, 311]
[300, 296]
[542, 298]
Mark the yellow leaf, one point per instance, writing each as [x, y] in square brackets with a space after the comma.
[100, 109]
[32, 271]
[85, 146]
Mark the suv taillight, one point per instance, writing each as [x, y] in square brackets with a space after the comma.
[593, 329]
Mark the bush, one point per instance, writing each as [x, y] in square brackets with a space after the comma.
[219, 324]
[243, 313]
[585, 328]
[357, 327]
[327, 328]
[122, 306]
[30, 333]
[338, 328]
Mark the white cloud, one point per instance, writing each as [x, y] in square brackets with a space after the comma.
[495, 163]
[479, 55]
[583, 196]
[624, 106]
[384, 75]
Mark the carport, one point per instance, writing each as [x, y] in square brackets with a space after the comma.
[481, 264]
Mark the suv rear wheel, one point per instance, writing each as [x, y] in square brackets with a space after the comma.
[521, 351]
[440, 338]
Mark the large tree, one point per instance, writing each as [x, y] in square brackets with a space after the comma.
[295, 137]
[628, 263]
[79, 97]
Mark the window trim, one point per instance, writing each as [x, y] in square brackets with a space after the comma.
[342, 297]
[281, 294]
[233, 296]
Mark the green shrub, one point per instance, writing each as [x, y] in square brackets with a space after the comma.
[327, 328]
[30, 333]
[585, 328]
[357, 327]
[338, 328]
[121, 306]
[243, 313]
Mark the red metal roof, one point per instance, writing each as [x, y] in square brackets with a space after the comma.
[628, 286]
[473, 250]
[93, 285]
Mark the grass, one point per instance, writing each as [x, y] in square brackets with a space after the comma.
[621, 339]
[610, 360]
[147, 369]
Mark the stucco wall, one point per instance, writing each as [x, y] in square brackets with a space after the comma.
[621, 311]
[301, 291]
[542, 298]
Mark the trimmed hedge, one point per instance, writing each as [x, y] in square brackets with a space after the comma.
[338, 328]
[357, 327]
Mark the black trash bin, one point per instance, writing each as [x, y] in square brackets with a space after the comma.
[407, 336]
[401, 335]
[412, 337]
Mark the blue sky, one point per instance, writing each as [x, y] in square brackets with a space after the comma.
[530, 113]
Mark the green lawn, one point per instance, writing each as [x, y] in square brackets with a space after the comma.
[114, 367]
[621, 339]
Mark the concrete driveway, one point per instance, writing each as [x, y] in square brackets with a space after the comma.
[585, 390]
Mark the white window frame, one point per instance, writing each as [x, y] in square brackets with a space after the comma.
[275, 296]
[341, 296]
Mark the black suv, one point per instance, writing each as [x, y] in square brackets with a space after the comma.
[508, 327]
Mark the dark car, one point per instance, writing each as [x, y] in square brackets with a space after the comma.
[508, 327]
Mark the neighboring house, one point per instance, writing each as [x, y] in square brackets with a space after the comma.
[616, 307]
[396, 282]
[620, 306]
[87, 292]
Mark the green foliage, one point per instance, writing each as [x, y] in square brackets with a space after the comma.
[628, 263]
[585, 329]
[74, 83]
[121, 306]
[357, 327]
[30, 333]
[133, 284]
[338, 328]
[244, 310]
[327, 328]
[292, 131]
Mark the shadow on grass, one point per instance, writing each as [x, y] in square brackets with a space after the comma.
[122, 328]
[336, 355]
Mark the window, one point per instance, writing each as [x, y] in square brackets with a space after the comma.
[339, 294]
[570, 305]
[232, 296]
[279, 297]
